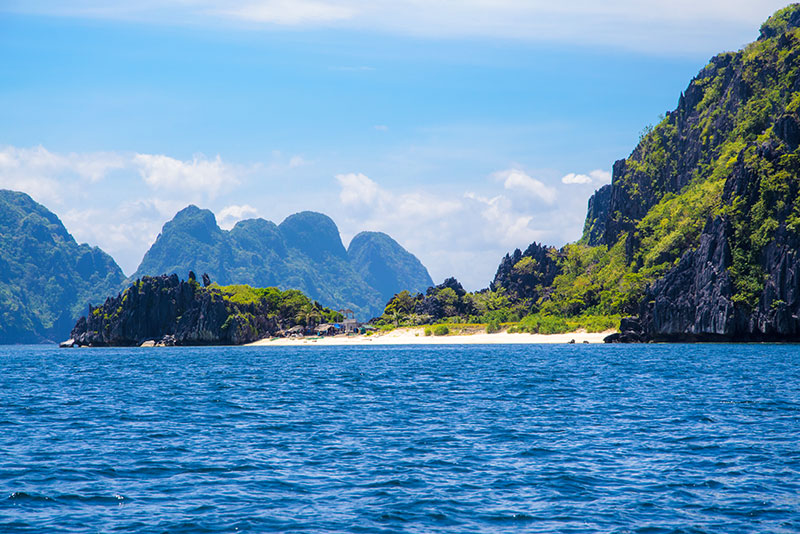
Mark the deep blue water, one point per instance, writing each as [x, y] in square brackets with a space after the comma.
[575, 438]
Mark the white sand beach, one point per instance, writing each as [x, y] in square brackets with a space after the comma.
[416, 336]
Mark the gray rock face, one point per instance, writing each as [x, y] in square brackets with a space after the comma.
[171, 312]
[527, 284]
[597, 216]
[630, 331]
[693, 302]
[706, 295]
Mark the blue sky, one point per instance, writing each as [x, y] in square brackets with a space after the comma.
[463, 129]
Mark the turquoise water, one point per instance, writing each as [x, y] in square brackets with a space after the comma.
[655, 438]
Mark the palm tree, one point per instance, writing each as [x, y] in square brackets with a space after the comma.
[308, 316]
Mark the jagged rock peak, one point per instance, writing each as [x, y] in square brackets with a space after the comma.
[781, 22]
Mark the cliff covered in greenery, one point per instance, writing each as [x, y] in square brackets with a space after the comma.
[170, 311]
[46, 278]
[699, 232]
[304, 252]
[703, 219]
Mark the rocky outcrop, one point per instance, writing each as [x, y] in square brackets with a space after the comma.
[169, 311]
[733, 140]
[694, 301]
[597, 216]
[630, 331]
[527, 275]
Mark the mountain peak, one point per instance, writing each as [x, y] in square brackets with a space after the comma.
[46, 278]
[386, 265]
[314, 233]
[199, 223]
[781, 22]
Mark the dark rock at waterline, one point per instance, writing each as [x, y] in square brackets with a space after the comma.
[170, 311]
[630, 332]
[694, 301]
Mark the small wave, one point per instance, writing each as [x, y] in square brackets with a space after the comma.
[511, 517]
[536, 452]
[21, 496]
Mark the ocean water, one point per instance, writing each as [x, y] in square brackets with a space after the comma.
[650, 439]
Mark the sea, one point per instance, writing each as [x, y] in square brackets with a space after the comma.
[515, 438]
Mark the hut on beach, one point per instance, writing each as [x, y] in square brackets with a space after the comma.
[296, 331]
[326, 330]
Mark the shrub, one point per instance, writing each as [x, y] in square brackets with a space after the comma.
[428, 331]
[440, 330]
[493, 326]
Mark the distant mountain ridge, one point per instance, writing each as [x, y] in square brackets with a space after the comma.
[304, 252]
[46, 278]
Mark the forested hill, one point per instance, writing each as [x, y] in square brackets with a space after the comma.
[701, 228]
[304, 252]
[46, 279]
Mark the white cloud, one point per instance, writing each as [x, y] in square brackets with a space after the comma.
[517, 180]
[596, 177]
[511, 227]
[463, 234]
[51, 177]
[573, 178]
[199, 176]
[289, 12]
[98, 195]
[230, 215]
[127, 230]
[357, 190]
[642, 25]
[296, 161]
[454, 230]
[38, 160]
[600, 176]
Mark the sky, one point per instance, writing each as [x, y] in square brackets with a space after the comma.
[462, 129]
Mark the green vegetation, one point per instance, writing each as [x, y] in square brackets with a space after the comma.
[729, 151]
[440, 330]
[493, 326]
[47, 280]
[449, 308]
[192, 314]
[550, 324]
[731, 137]
[290, 305]
[304, 252]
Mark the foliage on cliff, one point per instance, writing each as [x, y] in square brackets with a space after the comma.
[46, 278]
[172, 311]
[729, 151]
[729, 155]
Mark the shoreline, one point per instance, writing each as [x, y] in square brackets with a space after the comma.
[416, 336]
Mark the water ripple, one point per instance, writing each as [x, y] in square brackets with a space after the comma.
[648, 439]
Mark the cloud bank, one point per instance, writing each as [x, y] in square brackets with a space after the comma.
[597, 177]
[677, 26]
[120, 201]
